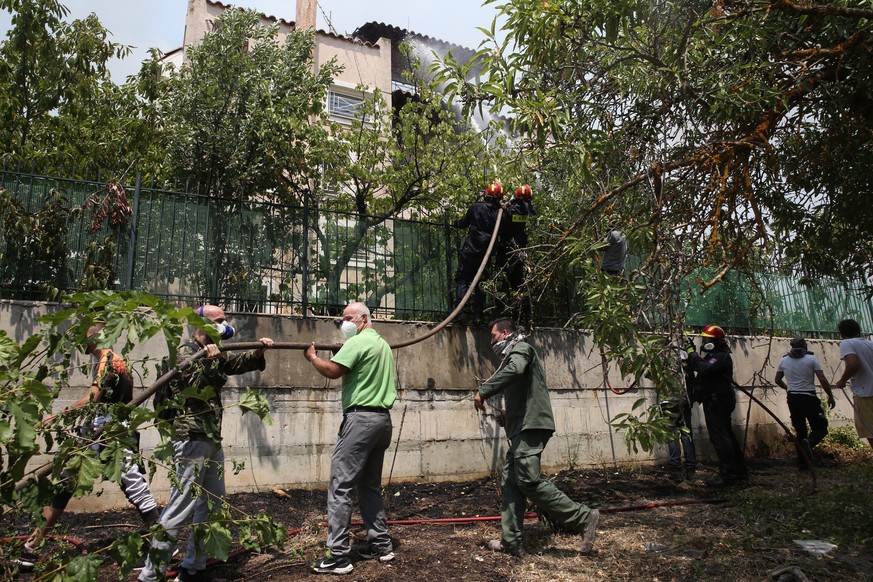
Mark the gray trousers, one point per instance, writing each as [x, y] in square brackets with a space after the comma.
[200, 475]
[357, 464]
[522, 479]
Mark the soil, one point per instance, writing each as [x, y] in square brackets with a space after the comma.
[699, 534]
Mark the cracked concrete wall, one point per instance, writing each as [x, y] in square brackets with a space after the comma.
[437, 434]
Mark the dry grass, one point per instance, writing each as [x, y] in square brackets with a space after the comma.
[742, 533]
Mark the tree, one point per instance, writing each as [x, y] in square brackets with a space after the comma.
[241, 120]
[57, 101]
[726, 136]
[245, 109]
[418, 160]
[33, 373]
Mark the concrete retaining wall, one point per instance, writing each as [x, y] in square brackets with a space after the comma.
[437, 434]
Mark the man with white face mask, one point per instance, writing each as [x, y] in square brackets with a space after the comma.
[366, 365]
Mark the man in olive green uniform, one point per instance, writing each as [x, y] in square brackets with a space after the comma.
[529, 424]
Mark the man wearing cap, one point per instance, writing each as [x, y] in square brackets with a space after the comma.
[713, 371]
[800, 368]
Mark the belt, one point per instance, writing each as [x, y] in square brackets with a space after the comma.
[365, 409]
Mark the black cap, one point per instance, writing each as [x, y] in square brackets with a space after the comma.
[798, 342]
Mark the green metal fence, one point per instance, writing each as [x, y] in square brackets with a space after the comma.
[263, 257]
[254, 256]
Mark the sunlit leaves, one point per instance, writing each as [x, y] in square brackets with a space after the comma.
[254, 401]
[645, 426]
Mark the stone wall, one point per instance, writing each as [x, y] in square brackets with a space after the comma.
[437, 434]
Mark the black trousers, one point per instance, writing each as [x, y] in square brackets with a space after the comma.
[807, 408]
[731, 461]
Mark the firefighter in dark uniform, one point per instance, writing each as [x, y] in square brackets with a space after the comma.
[713, 371]
[479, 220]
[513, 239]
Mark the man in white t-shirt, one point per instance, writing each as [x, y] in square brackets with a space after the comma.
[800, 368]
[857, 354]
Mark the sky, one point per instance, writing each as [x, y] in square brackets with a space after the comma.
[143, 24]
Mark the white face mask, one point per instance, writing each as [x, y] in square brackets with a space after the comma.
[349, 328]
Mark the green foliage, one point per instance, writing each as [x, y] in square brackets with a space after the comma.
[35, 242]
[718, 133]
[58, 102]
[719, 137]
[417, 162]
[644, 427]
[245, 109]
[252, 401]
[845, 436]
[33, 373]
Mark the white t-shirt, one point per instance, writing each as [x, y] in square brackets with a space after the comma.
[862, 381]
[800, 373]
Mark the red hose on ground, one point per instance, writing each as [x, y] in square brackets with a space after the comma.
[424, 521]
[481, 518]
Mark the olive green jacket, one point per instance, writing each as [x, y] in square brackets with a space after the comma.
[522, 381]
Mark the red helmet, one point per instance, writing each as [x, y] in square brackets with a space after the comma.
[524, 192]
[712, 330]
[494, 190]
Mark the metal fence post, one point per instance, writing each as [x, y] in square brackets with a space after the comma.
[304, 260]
[131, 249]
[449, 279]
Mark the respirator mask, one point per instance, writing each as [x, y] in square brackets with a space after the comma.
[707, 346]
[349, 328]
[498, 347]
[225, 331]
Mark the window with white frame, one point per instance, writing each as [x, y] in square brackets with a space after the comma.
[344, 107]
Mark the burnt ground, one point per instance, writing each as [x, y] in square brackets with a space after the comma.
[738, 533]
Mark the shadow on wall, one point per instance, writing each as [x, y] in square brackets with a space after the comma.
[22, 316]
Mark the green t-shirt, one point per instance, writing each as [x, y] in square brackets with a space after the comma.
[370, 379]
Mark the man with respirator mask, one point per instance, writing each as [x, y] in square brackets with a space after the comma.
[529, 424]
[366, 365]
[196, 438]
[713, 371]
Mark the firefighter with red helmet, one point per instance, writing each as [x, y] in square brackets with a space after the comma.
[713, 371]
[479, 222]
[509, 259]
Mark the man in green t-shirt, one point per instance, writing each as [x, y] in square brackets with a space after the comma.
[529, 424]
[366, 365]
